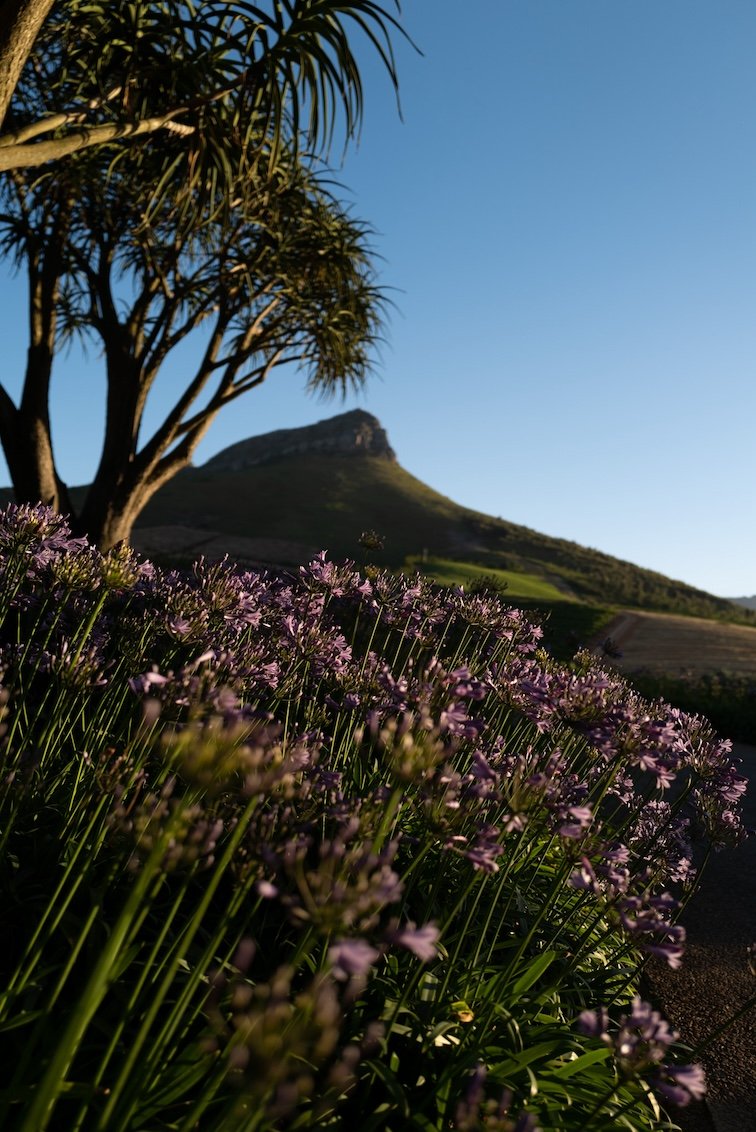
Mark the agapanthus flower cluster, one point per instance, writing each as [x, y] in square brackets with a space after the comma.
[181, 831]
[389, 787]
[640, 1042]
[277, 1037]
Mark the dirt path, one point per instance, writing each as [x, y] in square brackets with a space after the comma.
[714, 980]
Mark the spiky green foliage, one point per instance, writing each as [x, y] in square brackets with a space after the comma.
[217, 80]
[223, 223]
[286, 277]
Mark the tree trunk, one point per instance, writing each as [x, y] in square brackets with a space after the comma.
[25, 431]
[108, 514]
[106, 522]
[28, 451]
[118, 492]
[20, 24]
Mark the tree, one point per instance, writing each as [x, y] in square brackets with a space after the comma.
[286, 276]
[219, 74]
[223, 222]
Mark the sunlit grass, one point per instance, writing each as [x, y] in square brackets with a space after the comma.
[447, 572]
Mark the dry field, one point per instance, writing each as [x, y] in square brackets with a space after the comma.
[675, 645]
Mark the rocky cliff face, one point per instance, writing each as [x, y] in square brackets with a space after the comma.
[356, 433]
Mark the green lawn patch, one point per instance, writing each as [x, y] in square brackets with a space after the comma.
[447, 572]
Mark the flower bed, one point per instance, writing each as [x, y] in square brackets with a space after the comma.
[336, 850]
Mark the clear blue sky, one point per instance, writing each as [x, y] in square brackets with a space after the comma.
[568, 215]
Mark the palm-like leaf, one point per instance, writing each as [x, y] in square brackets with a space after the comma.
[219, 218]
[226, 84]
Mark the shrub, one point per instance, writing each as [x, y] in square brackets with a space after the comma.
[328, 850]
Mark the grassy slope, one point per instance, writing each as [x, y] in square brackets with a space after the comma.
[450, 573]
[327, 501]
[322, 500]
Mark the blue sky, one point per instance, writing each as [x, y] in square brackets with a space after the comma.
[568, 216]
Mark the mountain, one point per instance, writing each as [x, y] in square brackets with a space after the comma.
[356, 433]
[746, 602]
[281, 497]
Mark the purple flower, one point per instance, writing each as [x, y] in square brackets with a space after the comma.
[482, 769]
[647, 919]
[455, 719]
[351, 957]
[178, 625]
[594, 1023]
[422, 942]
[576, 821]
[266, 890]
[642, 1037]
[585, 877]
[484, 848]
[461, 683]
[142, 684]
[643, 1034]
[681, 1084]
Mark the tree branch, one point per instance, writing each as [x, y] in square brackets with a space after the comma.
[26, 156]
[43, 126]
[55, 121]
[229, 390]
[8, 409]
[164, 436]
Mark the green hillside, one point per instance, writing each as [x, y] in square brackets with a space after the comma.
[312, 501]
[326, 501]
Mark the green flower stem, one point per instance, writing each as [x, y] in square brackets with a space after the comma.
[463, 940]
[478, 878]
[546, 908]
[189, 1006]
[389, 816]
[89, 624]
[51, 918]
[178, 1015]
[494, 911]
[179, 953]
[128, 1010]
[191, 1122]
[41, 1110]
[87, 926]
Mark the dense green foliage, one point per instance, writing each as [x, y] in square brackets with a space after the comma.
[221, 88]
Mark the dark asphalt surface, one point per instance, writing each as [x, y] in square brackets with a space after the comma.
[714, 981]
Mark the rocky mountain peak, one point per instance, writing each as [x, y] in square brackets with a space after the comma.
[355, 433]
